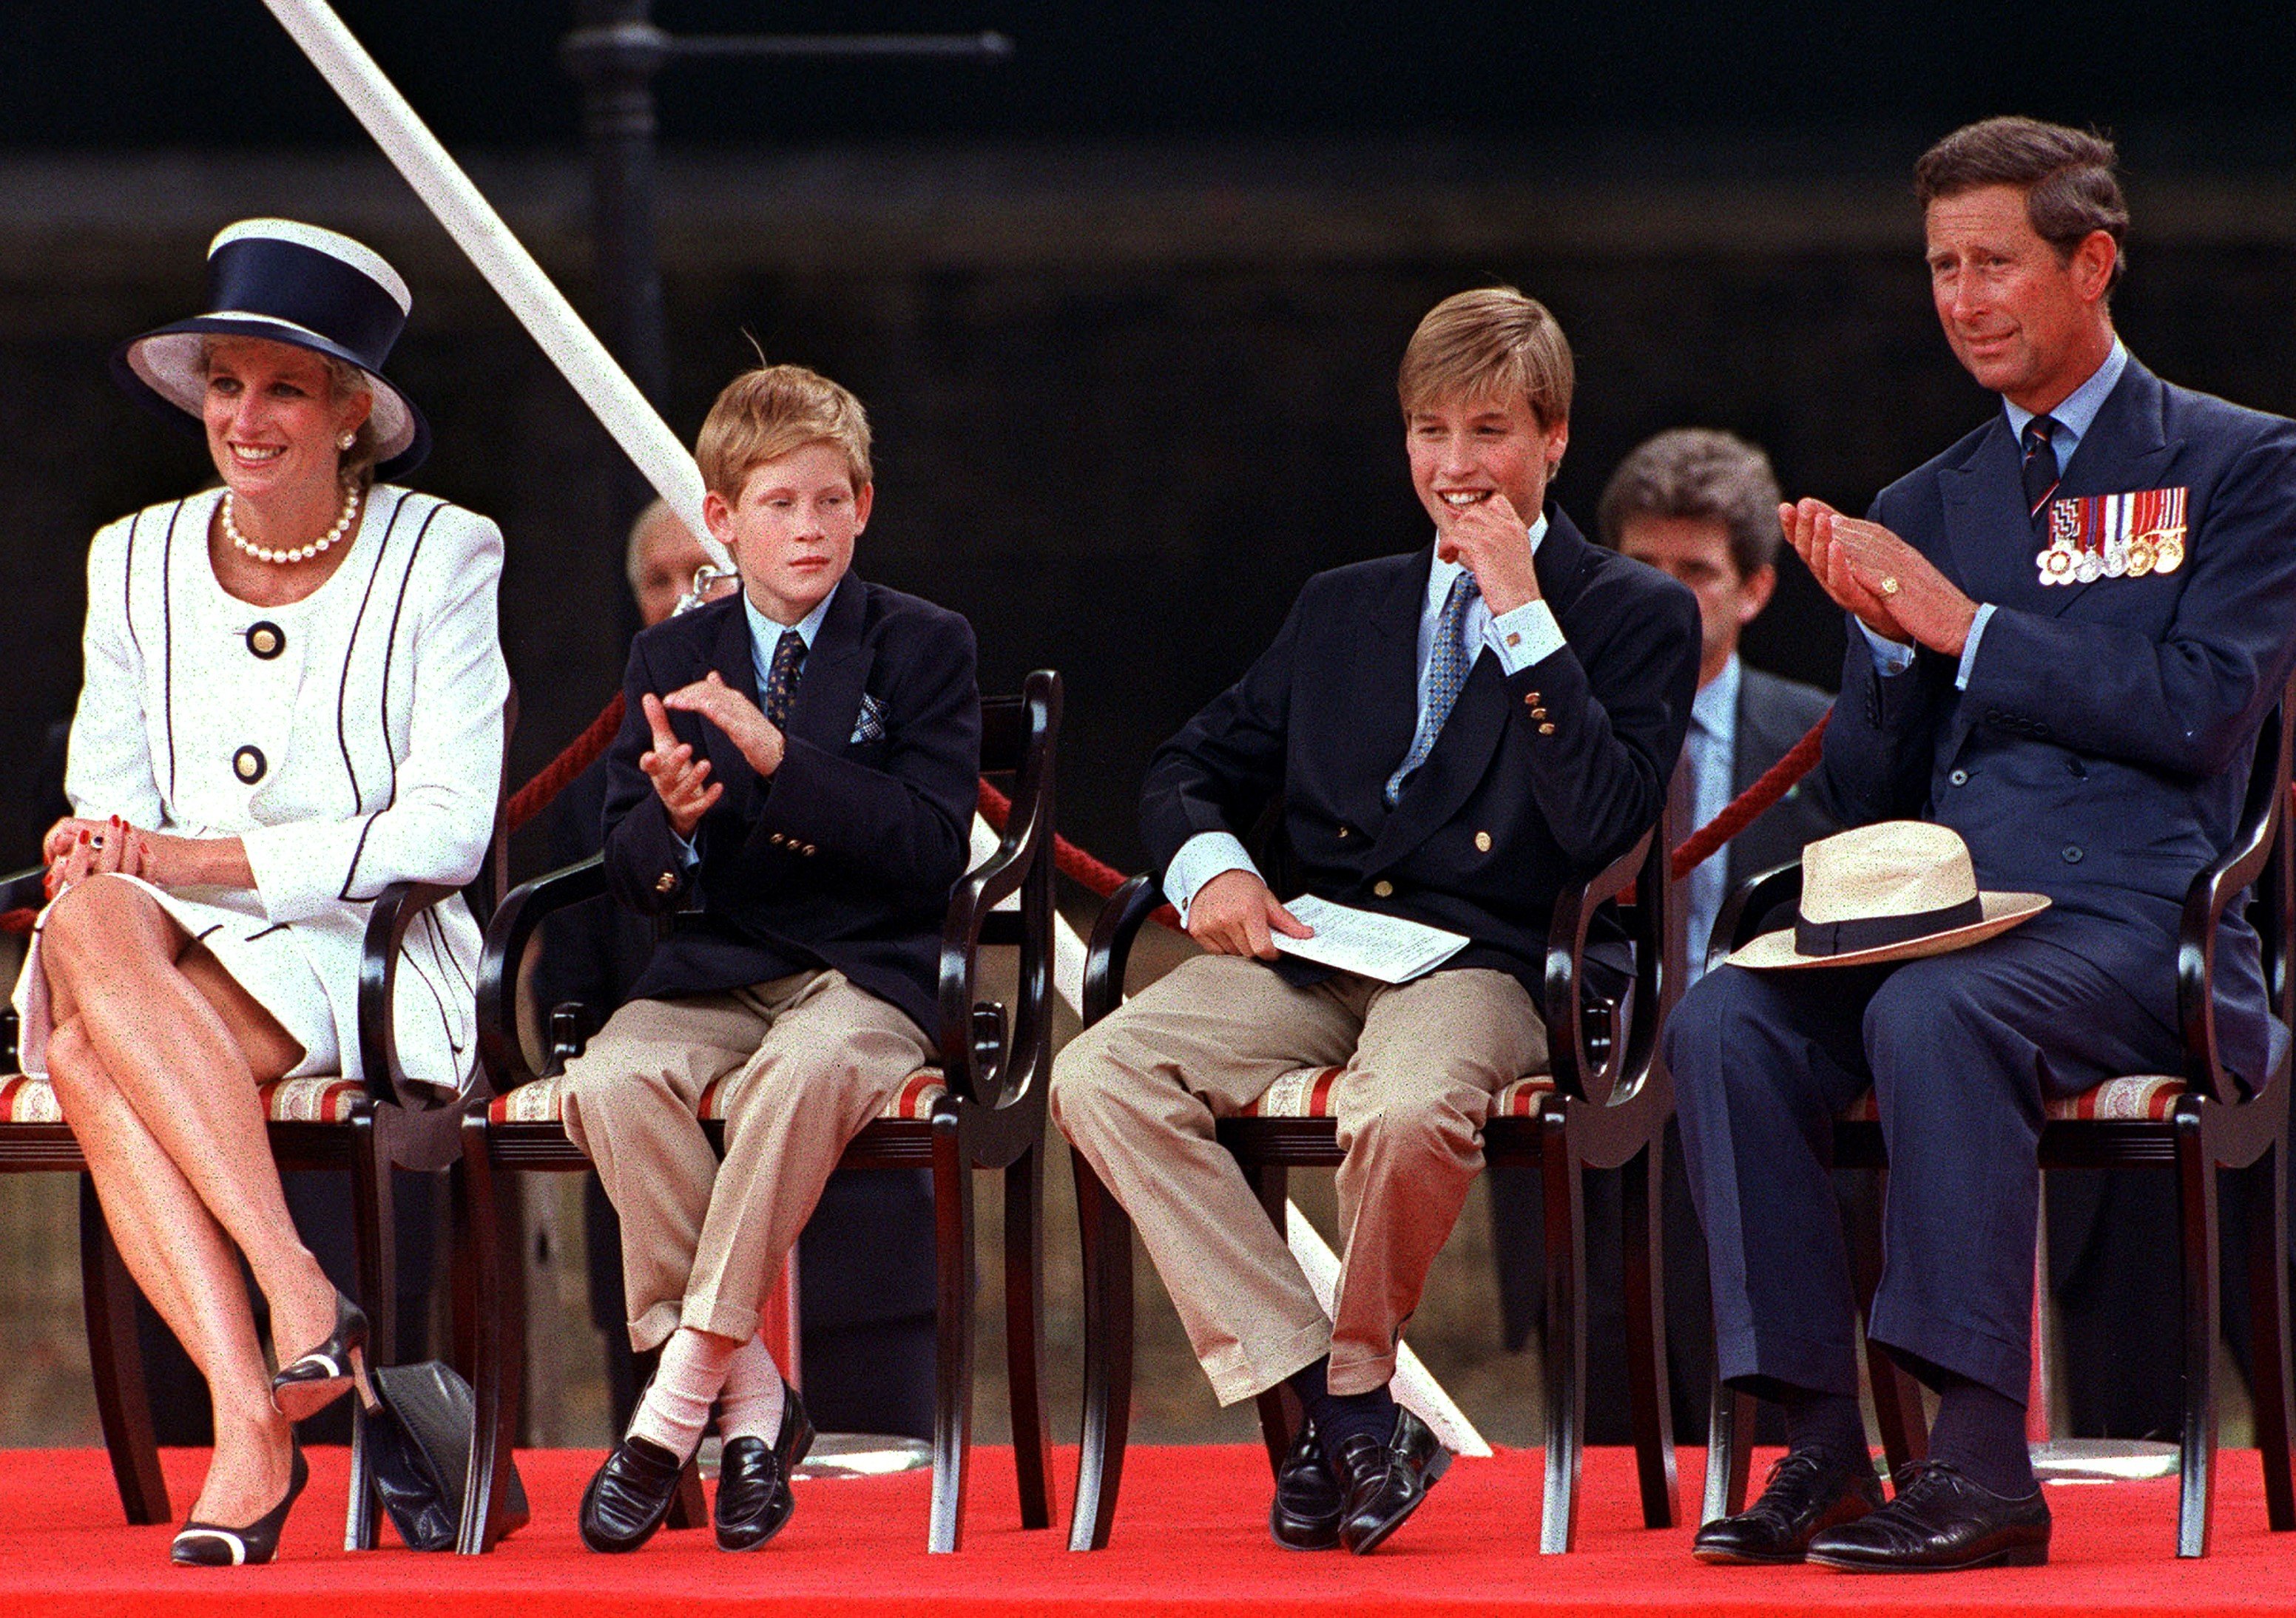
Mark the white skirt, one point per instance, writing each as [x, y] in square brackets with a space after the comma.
[261, 955]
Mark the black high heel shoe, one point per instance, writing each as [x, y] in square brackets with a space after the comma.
[210, 1545]
[309, 1385]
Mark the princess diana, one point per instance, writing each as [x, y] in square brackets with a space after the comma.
[293, 696]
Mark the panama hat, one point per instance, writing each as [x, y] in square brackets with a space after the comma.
[289, 284]
[1896, 890]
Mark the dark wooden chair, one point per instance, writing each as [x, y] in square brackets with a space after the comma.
[2198, 1123]
[1605, 1106]
[365, 1129]
[983, 1109]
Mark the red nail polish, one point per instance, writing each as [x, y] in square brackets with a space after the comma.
[83, 834]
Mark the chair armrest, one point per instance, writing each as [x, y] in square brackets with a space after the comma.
[980, 1063]
[24, 889]
[502, 1059]
[1620, 1073]
[394, 911]
[1110, 949]
[1740, 917]
[2263, 834]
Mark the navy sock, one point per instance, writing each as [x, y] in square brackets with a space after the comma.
[1340, 1417]
[1824, 1423]
[1982, 1434]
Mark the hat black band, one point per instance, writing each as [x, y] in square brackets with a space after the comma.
[1880, 932]
[315, 290]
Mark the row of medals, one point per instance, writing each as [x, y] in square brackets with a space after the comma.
[2084, 559]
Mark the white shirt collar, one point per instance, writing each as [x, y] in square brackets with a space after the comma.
[1715, 708]
[2078, 412]
[764, 633]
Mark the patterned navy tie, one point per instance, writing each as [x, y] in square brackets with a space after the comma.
[2040, 467]
[1448, 663]
[781, 679]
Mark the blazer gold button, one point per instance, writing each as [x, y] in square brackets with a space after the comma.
[1482, 842]
[1546, 729]
[665, 883]
[1384, 888]
[266, 640]
[1538, 713]
[249, 763]
[1530, 698]
[810, 849]
[1343, 831]
[777, 839]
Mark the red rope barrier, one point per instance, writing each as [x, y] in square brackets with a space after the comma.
[1772, 784]
[578, 756]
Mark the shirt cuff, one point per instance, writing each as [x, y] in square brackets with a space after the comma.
[1525, 635]
[688, 855]
[1969, 646]
[1202, 857]
[1889, 657]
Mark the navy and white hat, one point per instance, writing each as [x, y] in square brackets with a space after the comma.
[290, 283]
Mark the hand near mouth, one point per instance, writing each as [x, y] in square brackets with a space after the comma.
[1492, 541]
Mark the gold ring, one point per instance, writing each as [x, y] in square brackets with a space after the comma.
[1889, 586]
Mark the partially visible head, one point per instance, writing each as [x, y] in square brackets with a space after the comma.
[784, 455]
[1703, 505]
[2024, 221]
[662, 559]
[1485, 386]
[276, 417]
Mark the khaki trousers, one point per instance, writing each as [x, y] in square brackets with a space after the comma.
[1138, 1092]
[817, 1059]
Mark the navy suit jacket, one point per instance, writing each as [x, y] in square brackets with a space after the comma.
[1537, 777]
[2102, 751]
[846, 856]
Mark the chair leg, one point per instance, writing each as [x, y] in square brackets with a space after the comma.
[1104, 1241]
[2267, 1314]
[1280, 1415]
[1565, 1221]
[2196, 1221]
[953, 1381]
[1729, 1449]
[1651, 1397]
[1024, 1334]
[374, 1233]
[123, 1400]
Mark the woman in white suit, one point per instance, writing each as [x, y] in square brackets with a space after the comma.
[293, 696]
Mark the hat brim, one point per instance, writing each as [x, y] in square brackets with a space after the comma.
[161, 369]
[1775, 951]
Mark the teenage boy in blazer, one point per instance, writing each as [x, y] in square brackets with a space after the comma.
[1455, 734]
[792, 787]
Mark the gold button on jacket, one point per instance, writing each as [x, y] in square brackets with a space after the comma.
[1384, 888]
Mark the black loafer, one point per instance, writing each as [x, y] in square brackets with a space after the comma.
[1805, 1493]
[629, 1496]
[1309, 1504]
[754, 1497]
[1386, 1481]
[1942, 1521]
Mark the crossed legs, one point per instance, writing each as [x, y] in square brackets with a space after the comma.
[156, 1054]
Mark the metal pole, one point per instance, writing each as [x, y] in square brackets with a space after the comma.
[614, 53]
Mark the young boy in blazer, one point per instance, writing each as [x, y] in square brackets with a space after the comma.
[792, 787]
[1454, 732]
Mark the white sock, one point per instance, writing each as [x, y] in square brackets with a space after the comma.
[676, 1404]
[749, 1404]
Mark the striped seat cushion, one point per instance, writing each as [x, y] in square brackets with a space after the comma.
[329, 1098]
[1306, 1092]
[2146, 1099]
[543, 1101]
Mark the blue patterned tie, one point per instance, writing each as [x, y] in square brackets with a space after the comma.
[781, 679]
[1448, 663]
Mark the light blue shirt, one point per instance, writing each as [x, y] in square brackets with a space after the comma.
[2074, 417]
[1712, 748]
[1518, 638]
[765, 634]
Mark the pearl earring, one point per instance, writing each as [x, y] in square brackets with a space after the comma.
[346, 441]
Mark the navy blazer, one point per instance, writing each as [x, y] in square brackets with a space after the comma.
[2101, 754]
[846, 856]
[1537, 777]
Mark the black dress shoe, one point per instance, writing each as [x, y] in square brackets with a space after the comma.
[1309, 1504]
[1942, 1521]
[630, 1495]
[753, 1482]
[1805, 1492]
[1386, 1481]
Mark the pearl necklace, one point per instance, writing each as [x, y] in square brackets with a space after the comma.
[293, 553]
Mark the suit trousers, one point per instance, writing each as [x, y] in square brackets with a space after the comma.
[811, 1060]
[1962, 1052]
[1137, 1094]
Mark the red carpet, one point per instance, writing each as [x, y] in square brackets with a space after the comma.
[1189, 1540]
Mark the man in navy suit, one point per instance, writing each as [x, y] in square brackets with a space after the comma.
[793, 785]
[2068, 631]
[1454, 734]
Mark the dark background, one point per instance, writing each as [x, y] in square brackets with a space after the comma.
[1127, 308]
